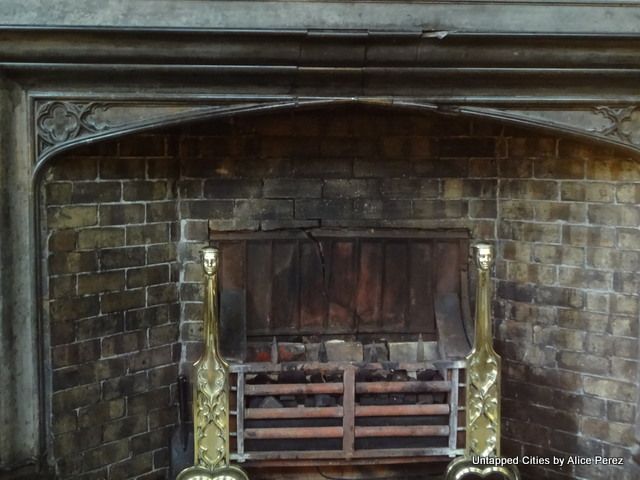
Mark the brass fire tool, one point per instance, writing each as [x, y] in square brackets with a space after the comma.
[211, 393]
[482, 451]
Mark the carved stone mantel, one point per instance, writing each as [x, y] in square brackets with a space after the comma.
[69, 84]
[61, 124]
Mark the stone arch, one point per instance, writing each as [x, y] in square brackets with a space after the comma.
[267, 108]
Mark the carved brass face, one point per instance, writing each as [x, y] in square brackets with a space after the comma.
[210, 260]
[484, 255]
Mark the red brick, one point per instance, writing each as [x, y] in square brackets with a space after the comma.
[100, 282]
[122, 214]
[151, 275]
[162, 417]
[74, 308]
[70, 168]
[75, 397]
[151, 358]
[147, 234]
[158, 294]
[75, 353]
[71, 216]
[106, 454]
[93, 238]
[127, 385]
[532, 147]
[162, 376]
[559, 168]
[99, 326]
[161, 253]
[150, 441]
[72, 262]
[122, 257]
[63, 240]
[123, 428]
[121, 301]
[467, 147]
[163, 334]
[123, 343]
[96, 192]
[158, 315]
[135, 466]
[62, 286]
[144, 190]
[148, 400]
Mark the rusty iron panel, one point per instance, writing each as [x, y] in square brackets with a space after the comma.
[421, 287]
[395, 297]
[453, 342]
[232, 301]
[342, 285]
[342, 282]
[313, 299]
[448, 257]
[285, 294]
[258, 286]
[370, 283]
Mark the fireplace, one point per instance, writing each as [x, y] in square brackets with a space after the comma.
[288, 193]
[111, 188]
[348, 344]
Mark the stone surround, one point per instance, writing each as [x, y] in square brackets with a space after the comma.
[125, 220]
[75, 73]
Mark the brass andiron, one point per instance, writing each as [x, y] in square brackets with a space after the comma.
[211, 393]
[482, 451]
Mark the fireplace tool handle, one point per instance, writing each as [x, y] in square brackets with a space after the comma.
[482, 389]
[211, 392]
[183, 385]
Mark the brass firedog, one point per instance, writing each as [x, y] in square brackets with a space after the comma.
[482, 390]
[211, 393]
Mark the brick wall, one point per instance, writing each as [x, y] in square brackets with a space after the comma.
[113, 311]
[568, 303]
[125, 222]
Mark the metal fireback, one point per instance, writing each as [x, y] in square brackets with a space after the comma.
[482, 388]
[211, 393]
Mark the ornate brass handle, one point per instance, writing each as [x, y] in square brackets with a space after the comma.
[211, 393]
[482, 385]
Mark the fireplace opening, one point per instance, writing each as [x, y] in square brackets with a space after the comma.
[348, 344]
[123, 222]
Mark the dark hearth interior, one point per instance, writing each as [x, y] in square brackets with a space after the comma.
[124, 221]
